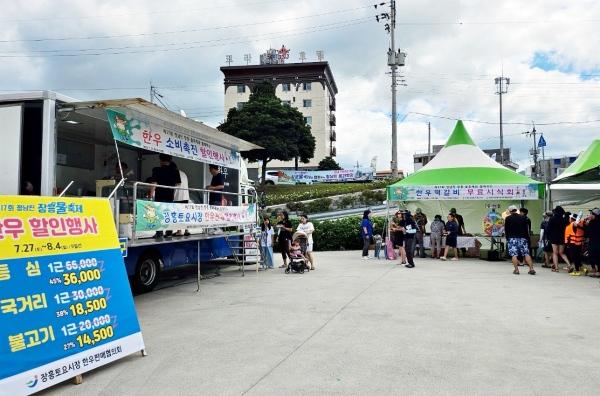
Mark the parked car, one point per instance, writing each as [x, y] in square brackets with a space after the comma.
[277, 177]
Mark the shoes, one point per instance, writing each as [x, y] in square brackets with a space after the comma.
[531, 272]
[454, 259]
[443, 258]
[575, 273]
[366, 257]
[409, 266]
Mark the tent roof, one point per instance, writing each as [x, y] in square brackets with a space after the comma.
[586, 161]
[461, 162]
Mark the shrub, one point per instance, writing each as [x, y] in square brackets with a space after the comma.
[318, 205]
[342, 234]
[346, 201]
[296, 206]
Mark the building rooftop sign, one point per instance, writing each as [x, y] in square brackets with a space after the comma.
[275, 56]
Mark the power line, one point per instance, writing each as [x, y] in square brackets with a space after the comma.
[271, 35]
[505, 123]
[186, 30]
[137, 13]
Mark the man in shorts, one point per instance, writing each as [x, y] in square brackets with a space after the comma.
[517, 233]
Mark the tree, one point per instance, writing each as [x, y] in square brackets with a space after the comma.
[280, 129]
[328, 163]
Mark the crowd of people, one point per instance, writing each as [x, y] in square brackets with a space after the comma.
[291, 245]
[563, 235]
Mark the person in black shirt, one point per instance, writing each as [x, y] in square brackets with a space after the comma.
[517, 232]
[216, 184]
[461, 227]
[284, 235]
[556, 236]
[166, 174]
[411, 229]
[592, 230]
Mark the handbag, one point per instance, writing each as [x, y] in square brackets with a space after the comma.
[390, 253]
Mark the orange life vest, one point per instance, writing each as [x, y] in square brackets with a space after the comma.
[574, 235]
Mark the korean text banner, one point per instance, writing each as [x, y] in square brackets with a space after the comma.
[159, 216]
[130, 129]
[341, 175]
[65, 301]
[466, 192]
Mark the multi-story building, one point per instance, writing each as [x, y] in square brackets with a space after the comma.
[550, 168]
[422, 159]
[309, 87]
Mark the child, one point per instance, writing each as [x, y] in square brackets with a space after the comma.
[296, 251]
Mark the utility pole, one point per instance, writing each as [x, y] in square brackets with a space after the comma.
[428, 142]
[395, 60]
[534, 151]
[501, 89]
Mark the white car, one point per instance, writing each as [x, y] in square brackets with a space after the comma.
[277, 177]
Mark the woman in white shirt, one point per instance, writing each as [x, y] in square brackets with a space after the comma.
[308, 228]
[266, 242]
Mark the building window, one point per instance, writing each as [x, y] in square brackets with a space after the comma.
[306, 86]
[307, 103]
[308, 120]
[286, 102]
[240, 105]
[241, 88]
[286, 87]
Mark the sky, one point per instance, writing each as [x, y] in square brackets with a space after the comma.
[91, 49]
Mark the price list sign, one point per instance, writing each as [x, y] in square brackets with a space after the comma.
[65, 302]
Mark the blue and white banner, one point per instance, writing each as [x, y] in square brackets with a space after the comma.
[330, 176]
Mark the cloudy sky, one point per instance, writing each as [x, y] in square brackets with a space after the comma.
[92, 49]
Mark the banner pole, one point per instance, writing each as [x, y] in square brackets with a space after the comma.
[198, 277]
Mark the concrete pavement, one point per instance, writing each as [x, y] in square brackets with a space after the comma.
[358, 327]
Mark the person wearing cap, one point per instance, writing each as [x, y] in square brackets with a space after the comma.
[516, 230]
[556, 235]
[451, 233]
[574, 236]
[592, 230]
[421, 220]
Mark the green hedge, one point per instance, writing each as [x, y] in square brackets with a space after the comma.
[340, 234]
[283, 194]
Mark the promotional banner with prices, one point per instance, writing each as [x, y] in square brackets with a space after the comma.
[65, 301]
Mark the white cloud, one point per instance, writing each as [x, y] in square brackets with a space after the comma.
[450, 67]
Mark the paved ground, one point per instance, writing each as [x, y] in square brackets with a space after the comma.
[365, 328]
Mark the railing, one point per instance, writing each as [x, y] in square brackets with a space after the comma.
[332, 119]
[251, 198]
[332, 104]
[332, 136]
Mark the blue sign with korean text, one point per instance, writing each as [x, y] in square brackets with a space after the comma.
[65, 302]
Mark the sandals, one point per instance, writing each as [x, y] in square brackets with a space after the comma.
[516, 271]
[531, 272]
[554, 268]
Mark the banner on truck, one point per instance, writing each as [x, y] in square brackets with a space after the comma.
[466, 192]
[159, 216]
[331, 176]
[128, 129]
[65, 302]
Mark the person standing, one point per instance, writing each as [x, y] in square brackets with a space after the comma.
[182, 195]
[421, 220]
[451, 233]
[524, 212]
[516, 230]
[166, 174]
[461, 228]
[545, 245]
[308, 228]
[284, 236]
[411, 229]
[592, 230]
[266, 242]
[216, 184]
[556, 235]
[574, 236]
[437, 229]
[366, 232]
[397, 234]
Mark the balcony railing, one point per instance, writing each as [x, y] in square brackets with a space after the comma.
[333, 152]
[332, 119]
[332, 104]
[332, 136]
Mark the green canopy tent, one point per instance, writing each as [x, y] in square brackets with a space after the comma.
[462, 176]
[578, 187]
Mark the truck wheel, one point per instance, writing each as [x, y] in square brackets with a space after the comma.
[146, 273]
[270, 183]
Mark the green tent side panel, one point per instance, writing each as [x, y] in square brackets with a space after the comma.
[587, 160]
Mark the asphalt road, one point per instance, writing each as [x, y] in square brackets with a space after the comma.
[357, 327]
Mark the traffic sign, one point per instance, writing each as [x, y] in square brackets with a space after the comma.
[542, 141]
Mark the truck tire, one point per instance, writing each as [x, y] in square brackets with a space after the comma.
[146, 273]
[270, 183]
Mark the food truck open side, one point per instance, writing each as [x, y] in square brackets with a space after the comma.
[52, 142]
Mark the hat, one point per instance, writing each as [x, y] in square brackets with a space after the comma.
[595, 211]
[453, 210]
[512, 208]
[418, 210]
[573, 216]
[548, 214]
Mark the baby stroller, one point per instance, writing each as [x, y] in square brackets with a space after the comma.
[297, 261]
